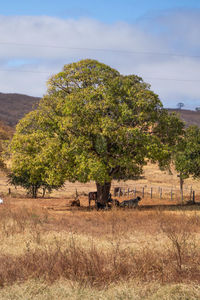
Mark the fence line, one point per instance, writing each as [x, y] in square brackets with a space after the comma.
[163, 193]
[150, 192]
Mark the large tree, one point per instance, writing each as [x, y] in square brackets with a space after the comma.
[107, 125]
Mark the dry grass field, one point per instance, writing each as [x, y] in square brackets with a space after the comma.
[50, 250]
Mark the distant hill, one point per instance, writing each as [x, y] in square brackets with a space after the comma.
[190, 117]
[14, 106]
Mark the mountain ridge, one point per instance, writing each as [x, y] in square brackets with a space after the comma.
[14, 106]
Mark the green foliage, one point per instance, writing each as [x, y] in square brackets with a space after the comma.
[100, 125]
[35, 158]
[5, 136]
[187, 156]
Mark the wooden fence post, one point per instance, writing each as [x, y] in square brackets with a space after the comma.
[171, 194]
[191, 194]
[160, 193]
[151, 192]
[193, 197]
[182, 196]
[143, 192]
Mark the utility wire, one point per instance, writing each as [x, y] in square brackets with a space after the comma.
[24, 71]
[49, 73]
[100, 49]
[173, 79]
[151, 78]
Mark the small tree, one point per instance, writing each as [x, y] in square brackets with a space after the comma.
[6, 133]
[187, 155]
[104, 126]
[180, 105]
[36, 160]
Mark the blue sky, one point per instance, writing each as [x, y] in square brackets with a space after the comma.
[157, 40]
[104, 10]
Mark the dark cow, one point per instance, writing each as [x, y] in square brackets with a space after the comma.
[98, 205]
[114, 202]
[92, 196]
[131, 203]
[75, 203]
[109, 203]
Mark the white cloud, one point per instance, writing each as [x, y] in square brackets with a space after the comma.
[23, 42]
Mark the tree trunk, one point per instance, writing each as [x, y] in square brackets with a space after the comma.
[181, 187]
[43, 192]
[34, 191]
[103, 191]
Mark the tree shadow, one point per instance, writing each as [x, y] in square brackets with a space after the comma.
[171, 207]
[147, 207]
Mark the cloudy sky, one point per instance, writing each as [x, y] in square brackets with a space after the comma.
[157, 40]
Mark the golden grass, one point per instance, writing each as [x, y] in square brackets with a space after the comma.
[63, 289]
[78, 253]
[99, 248]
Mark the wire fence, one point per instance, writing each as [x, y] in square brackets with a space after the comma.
[157, 192]
[121, 189]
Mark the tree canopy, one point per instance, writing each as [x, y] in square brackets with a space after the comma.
[187, 154]
[95, 124]
[6, 133]
[36, 161]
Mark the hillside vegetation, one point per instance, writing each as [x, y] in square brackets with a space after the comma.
[14, 106]
[190, 117]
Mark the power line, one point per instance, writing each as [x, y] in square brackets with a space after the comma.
[173, 79]
[49, 73]
[101, 50]
[24, 71]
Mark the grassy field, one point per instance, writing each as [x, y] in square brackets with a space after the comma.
[49, 250]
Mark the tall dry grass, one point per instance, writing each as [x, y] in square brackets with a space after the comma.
[98, 249]
[99, 268]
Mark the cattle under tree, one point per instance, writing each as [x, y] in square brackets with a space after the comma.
[92, 196]
[76, 201]
[114, 202]
[131, 203]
